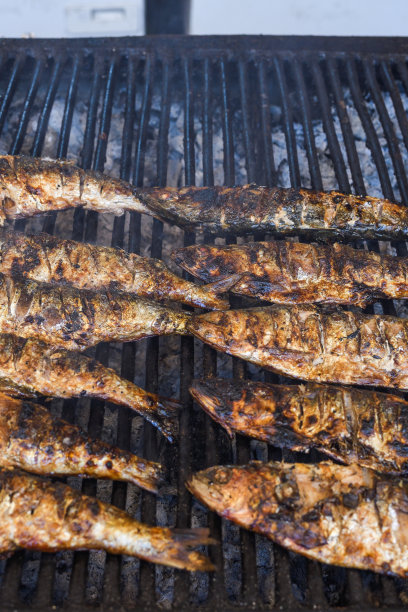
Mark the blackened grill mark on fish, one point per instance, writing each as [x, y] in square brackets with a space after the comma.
[30, 438]
[48, 259]
[293, 272]
[29, 368]
[345, 516]
[310, 343]
[63, 519]
[348, 424]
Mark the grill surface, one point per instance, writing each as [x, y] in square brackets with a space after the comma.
[198, 110]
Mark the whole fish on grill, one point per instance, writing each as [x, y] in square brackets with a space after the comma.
[293, 272]
[342, 515]
[313, 343]
[40, 515]
[348, 424]
[76, 319]
[46, 259]
[33, 440]
[30, 186]
[30, 368]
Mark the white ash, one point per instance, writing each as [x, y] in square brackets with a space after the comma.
[169, 358]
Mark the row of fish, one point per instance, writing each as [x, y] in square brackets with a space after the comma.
[310, 509]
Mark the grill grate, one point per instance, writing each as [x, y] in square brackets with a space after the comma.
[199, 110]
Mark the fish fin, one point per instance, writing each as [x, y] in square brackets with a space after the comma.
[166, 417]
[198, 536]
[224, 283]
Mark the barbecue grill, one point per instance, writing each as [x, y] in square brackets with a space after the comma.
[173, 110]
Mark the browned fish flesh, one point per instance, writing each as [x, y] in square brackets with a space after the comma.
[348, 424]
[46, 259]
[35, 441]
[295, 273]
[313, 343]
[342, 515]
[30, 186]
[30, 368]
[40, 515]
[76, 319]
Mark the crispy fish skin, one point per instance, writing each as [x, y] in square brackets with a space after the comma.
[312, 343]
[76, 319]
[40, 515]
[30, 368]
[249, 208]
[33, 440]
[351, 425]
[31, 186]
[47, 259]
[295, 273]
[342, 515]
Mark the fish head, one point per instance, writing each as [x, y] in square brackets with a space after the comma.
[214, 396]
[245, 494]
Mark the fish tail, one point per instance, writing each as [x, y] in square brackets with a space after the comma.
[184, 539]
[221, 285]
[163, 413]
[149, 475]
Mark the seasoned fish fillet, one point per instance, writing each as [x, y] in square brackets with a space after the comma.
[47, 259]
[40, 515]
[313, 344]
[351, 425]
[76, 319]
[30, 186]
[31, 368]
[33, 440]
[293, 272]
[343, 515]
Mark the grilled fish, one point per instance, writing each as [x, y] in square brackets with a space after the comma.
[293, 272]
[312, 343]
[343, 515]
[40, 515]
[350, 425]
[76, 319]
[46, 259]
[31, 368]
[33, 440]
[30, 186]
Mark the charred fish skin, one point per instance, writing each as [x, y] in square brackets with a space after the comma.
[293, 272]
[47, 259]
[30, 368]
[31, 186]
[39, 515]
[313, 343]
[76, 319]
[250, 208]
[341, 515]
[34, 441]
[351, 425]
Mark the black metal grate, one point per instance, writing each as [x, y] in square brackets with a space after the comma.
[205, 110]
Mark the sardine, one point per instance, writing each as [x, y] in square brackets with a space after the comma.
[46, 259]
[30, 186]
[31, 368]
[342, 515]
[40, 515]
[347, 424]
[295, 273]
[76, 319]
[312, 343]
[35, 441]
